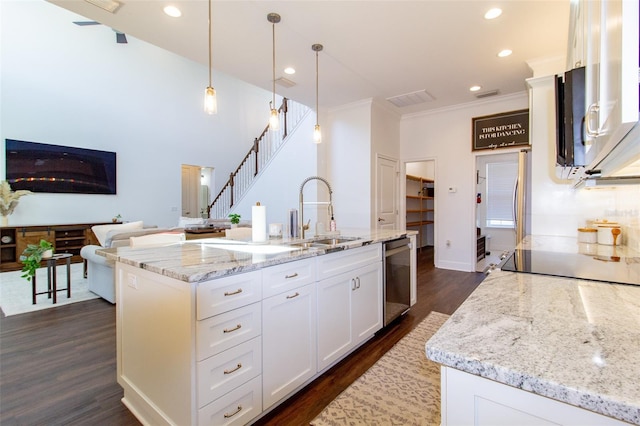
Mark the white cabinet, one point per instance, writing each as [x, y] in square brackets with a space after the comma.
[189, 353]
[472, 400]
[221, 351]
[289, 335]
[606, 35]
[349, 311]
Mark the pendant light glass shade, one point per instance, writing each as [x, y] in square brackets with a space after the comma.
[274, 120]
[274, 117]
[317, 135]
[210, 100]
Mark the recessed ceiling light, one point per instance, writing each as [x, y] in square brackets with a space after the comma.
[172, 11]
[504, 53]
[493, 13]
[289, 70]
[475, 88]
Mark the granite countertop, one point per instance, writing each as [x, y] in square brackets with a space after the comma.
[208, 258]
[575, 341]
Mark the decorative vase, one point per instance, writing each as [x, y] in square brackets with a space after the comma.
[5, 220]
[47, 254]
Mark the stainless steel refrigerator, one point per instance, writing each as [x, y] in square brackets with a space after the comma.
[522, 197]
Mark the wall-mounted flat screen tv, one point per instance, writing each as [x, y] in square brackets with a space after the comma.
[41, 167]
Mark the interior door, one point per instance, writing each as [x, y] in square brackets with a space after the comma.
[387, 193]
[190, 190]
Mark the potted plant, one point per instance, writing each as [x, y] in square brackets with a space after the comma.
[235, 219]
[117, 218]
[32, 255]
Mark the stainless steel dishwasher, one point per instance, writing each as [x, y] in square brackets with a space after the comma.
[397, 278]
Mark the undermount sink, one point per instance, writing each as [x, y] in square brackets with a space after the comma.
[334, 241]
[323, 243]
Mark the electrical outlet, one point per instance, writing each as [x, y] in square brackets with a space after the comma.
[132, 281]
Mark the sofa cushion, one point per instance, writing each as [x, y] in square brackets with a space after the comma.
[101, 231]
[117, 238]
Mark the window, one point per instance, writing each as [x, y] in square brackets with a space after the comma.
[501, 178]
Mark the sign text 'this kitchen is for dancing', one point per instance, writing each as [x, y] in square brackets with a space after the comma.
[504, 130]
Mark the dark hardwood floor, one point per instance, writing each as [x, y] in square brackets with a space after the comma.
[58, 366]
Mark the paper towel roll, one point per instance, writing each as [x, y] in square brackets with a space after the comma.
[258, 223]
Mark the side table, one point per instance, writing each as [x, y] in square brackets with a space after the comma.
[52, 279]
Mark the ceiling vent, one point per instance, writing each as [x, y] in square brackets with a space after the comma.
[487, 94]
[108, 5]
[285, 82]
[414, 98]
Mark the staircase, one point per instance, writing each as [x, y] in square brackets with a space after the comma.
[264, 148]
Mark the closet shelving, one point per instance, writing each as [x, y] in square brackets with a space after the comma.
[420, 208]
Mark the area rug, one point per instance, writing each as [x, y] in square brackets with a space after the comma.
[15, 292]
[401, 388]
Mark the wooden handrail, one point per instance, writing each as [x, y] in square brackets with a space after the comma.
[255, 149]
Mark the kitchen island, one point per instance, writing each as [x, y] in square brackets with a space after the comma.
[217, 331]
[538, 349]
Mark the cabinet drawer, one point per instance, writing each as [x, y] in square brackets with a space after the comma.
[226, 371]
[287, 276]
[347, 260]
[224, 294]
[220, 332]
[70, 233]
[237, 407]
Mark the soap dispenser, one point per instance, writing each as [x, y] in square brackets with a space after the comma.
[332, 225]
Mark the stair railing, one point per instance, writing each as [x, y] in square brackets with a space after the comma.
[263, 150]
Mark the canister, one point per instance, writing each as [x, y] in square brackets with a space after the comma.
[587, 235]
[610, 235]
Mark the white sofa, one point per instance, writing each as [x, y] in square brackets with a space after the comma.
[99, 270]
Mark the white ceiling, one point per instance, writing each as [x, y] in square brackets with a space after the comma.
[372, 49]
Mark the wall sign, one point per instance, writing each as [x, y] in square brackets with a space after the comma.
[504, 130]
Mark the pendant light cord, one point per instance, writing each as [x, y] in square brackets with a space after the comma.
[273, 36]
[317, 111]
[209, 43]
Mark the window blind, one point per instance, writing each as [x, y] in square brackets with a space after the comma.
[501, 178]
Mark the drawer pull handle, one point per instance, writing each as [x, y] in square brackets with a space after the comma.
[295, 274]
[227, 415]
[295, 295]
[229, 330]
[233, 369]
[238, 291]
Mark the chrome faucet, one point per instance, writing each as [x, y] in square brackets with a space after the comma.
[303, 227]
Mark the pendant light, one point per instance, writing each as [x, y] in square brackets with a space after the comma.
[317, 134]
[210, 101]
[274, 118]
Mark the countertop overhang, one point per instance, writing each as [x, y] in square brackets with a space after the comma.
[201, 260]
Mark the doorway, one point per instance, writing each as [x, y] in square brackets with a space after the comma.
[496, 175]
[197, 182]
[421, 201]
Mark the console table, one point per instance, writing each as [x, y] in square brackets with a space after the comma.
[66, 238]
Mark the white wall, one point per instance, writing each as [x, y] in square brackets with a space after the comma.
[69, 85]
[348, 160]
[557, 208]
[445, 136]
[278, 186]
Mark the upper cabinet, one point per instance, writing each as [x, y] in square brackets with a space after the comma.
[604, 38]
